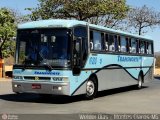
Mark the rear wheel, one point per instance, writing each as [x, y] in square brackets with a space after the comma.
[91, 88]
[140, 82]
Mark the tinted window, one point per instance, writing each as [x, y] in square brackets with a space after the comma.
[149, 48]
[123, 44]
[80, 31]
[111, 43]
[116, 42]
[44, 46]
[106, 42]
[96, 40]
[133, 45]
[142, 47]
[137, 46]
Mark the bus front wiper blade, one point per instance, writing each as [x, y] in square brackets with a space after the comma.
[48, 66]
[45, 64]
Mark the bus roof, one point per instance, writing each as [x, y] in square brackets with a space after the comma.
[61, 23]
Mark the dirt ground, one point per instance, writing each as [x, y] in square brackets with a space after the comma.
[157, 71]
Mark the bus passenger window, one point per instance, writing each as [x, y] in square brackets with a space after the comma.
[142, 47]
[133, 46]
[128, 46]
[123, 44]
[106, 42]
[96, 40]
[102, 42]
[137, 46]
[116, 44]
[119, 42]
[111, 43]
[91, 40]
[149, 46]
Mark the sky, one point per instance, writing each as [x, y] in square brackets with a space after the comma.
[20, 5]
[155, 33]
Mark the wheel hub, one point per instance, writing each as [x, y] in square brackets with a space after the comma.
[90, 88]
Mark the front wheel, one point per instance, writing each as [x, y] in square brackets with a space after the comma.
[91, 88]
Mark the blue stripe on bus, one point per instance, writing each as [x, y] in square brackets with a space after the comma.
[101, 61]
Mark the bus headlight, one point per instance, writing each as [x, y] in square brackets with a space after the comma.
[59, 88]
[17, 77]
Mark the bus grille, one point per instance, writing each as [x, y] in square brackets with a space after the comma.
[37, 78]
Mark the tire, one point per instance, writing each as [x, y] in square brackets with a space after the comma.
[91, 88]
[140, 82]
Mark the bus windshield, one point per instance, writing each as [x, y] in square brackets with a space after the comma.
[43, 47]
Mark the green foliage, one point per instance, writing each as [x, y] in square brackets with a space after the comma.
[8, 48]
[88, 10]
[7, 32]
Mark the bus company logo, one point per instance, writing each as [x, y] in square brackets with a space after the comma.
[36, 78]
[46, 73]
[128, 59]
[4, 116]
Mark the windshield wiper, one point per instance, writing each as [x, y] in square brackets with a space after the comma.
[48, 66]
[45, 64]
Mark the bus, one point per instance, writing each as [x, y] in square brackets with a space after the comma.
[71, 57]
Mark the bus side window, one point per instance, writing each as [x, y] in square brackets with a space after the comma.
[128, 45]
[117, 39]
[150, 49]
[106, 42]
[103, 41]
[96, 41]
[142, 47]
[111, 43]
[123, 44]
[116, 43]
[91, 40]
[133, 46]
[137, 46]
[119, 43]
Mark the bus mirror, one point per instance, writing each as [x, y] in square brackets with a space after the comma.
[91, 45]
[77, 47]
[76, 71]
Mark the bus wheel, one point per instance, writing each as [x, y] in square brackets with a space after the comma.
[140, 82]
[91, 88]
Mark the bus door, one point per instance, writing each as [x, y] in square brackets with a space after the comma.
[80, 49]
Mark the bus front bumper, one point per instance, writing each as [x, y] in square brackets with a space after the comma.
[41, 88]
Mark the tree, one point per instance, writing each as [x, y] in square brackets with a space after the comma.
[140, 18]
[7, 32]
[18, 17]
[115, 12]
[105, 12]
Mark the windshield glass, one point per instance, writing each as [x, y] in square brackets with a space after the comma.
[43, 47]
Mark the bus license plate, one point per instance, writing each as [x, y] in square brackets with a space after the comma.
[36, 86]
